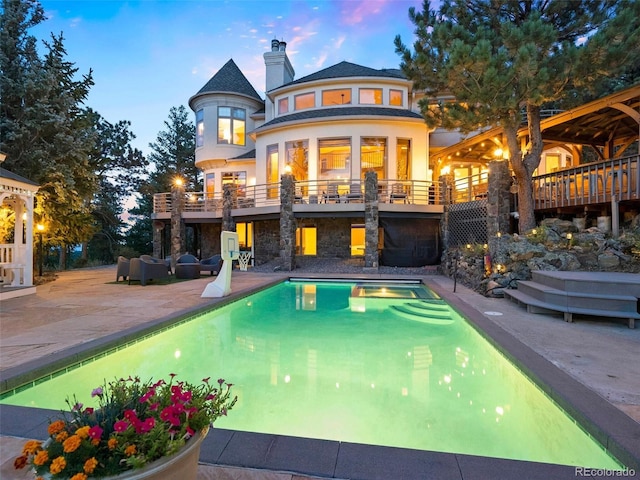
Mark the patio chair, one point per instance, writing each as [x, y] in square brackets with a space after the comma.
[398, 192]
[355, 193]
[331, 194]
[187, 267]
[122, 269]
[211, 264]
[147, 268]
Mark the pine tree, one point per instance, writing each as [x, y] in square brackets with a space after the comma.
[502, 60]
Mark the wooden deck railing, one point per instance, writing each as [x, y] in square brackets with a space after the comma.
[590, 183]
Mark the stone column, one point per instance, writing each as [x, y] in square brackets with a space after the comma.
[157, 238]
[287, 223]
[447, 186]
[498, 198]
[177, 230]
[498, 203]
[229, 195]
[371, 220]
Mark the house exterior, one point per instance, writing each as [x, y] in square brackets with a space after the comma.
[328, 132]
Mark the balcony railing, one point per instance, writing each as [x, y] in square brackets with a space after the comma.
[590, 183]
[320, 192]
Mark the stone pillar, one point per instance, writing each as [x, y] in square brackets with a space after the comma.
[287, 223]
[498, 198]
[157, 238]
[498, 202]
[229, 195]
[177, 227]
[447, 186]
[371, 220]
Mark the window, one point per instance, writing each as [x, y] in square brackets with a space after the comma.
[298, 158]
[334, 155]
[403, 159]
[210, 184]
[373, 156]
[273, 176]
[200, 128]
[245, 235]
[395, 97]
[336, 97]
[306, 240]
[357, 240]
[370, 96]
[305, 100]
[239, 179]
[231, 125]
[283, 105]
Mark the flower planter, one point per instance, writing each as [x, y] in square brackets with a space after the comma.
[181, 466]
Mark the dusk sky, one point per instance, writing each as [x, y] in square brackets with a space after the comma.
[148, 56]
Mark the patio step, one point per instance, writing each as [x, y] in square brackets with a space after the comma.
[599, 294]
[424, 312]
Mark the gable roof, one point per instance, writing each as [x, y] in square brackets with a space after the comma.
[229, 79]
[347, 69]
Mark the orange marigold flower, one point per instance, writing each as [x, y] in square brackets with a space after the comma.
[20, 462]
[112, 443]
[41, 457]
[71, 444]
[83, 432]
[95, 442]
[130, 450]
[62, 436]
[90, 465]
[79, 476]
[56, 427]
[30, 447]
[57, 465]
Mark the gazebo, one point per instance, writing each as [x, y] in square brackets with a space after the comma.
[16, 234]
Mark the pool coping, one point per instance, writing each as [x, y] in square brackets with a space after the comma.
[332, 459]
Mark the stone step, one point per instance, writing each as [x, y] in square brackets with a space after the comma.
[536, 305]
[602, 283]
[578, 299]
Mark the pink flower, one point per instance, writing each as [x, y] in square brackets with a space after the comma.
[88, 410]
[120, 426]
[131, 415]
[147, 395]
[148, 424]
[154, 406]
[95, 432]
[190, 431]
[206, 380]
[220, 381]
[96, 392]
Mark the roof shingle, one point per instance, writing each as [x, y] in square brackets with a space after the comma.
[229, 79]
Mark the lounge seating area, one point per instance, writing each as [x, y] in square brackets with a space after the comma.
[148, 268]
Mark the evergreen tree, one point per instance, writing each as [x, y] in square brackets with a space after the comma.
[119, 169]
[501, 60]
[172, 156]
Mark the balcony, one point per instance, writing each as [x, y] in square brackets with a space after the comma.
[310, 196]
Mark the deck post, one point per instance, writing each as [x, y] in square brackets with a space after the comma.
[615, 216]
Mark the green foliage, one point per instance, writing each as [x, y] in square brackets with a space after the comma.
[502, 59]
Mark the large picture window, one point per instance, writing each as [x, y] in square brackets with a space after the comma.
[239, 179]
[395, 98]
[335, 157]
[373, 156]
[200, 128]
[273, 174]
[403, 159]
[231, 125]
[298, 158]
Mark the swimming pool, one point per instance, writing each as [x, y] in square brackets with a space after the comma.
[312, 360]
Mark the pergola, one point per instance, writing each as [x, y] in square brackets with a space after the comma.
[16, 259]
[610, 125]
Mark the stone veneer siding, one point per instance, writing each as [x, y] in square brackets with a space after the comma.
[266, 238]
[210, 239]
[333, 236]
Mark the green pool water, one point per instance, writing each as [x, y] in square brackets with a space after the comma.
[384, 365]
